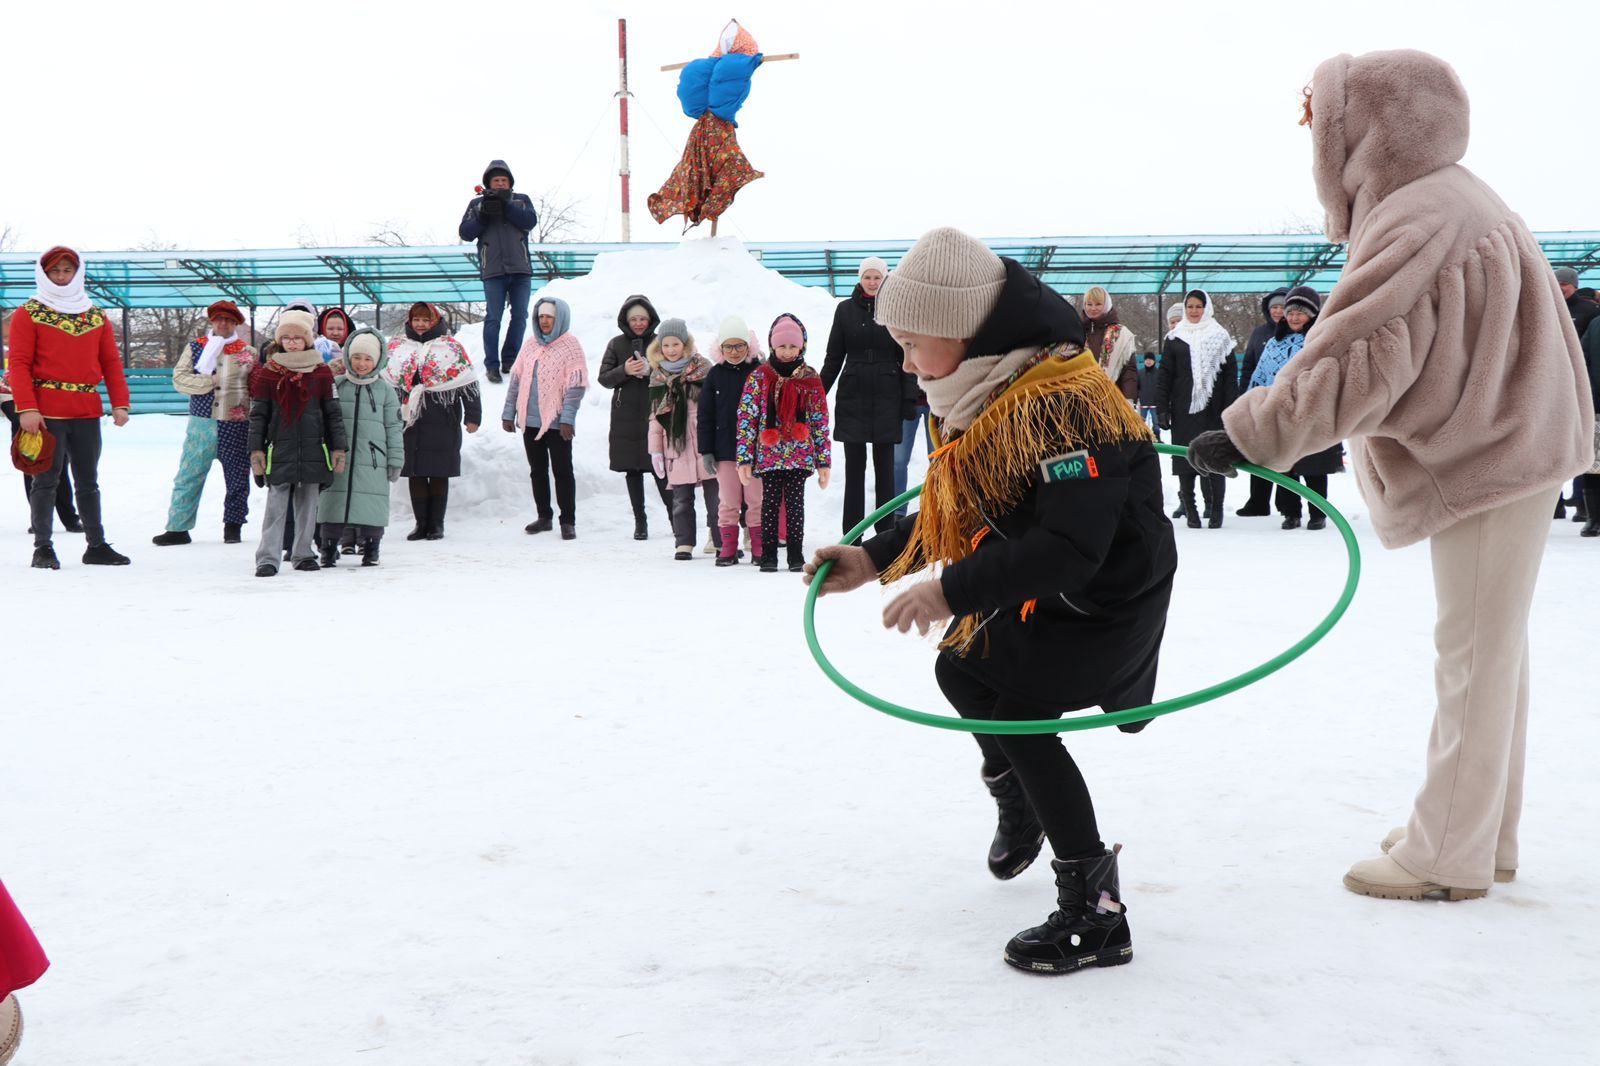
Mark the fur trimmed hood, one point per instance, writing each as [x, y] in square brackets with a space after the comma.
[1380, 121]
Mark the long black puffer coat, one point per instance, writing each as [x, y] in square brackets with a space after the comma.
[875, 395]
[1175, 387]
[298, 452]
[630, 396]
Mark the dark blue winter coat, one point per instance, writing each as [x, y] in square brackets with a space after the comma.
[503, 239]
[719, 408]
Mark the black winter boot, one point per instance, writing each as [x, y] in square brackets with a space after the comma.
[1211, 490]
[422, 507]
[1580, 507]
[347, 541]
[330, 553]
[232, 533]
[1089, 926]
[539, 525]
[369, 552]
[436, 515]
[1186, 510]
[641, 528]
[170, 538]
[1019, 835]
[45, 559]
[1591, 500]
[796, 552]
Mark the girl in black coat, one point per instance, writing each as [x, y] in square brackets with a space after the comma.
[438, 388]
[875, 400]
[625, 371]
[1044, 510]
[1199, 377]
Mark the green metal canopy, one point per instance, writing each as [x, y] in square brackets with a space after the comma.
[379, 275]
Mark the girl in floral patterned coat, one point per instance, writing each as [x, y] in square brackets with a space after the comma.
[783, 437]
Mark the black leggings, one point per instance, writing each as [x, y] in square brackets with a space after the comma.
[1052, 781]
[855, 483]
[544, 453]
[636, 493]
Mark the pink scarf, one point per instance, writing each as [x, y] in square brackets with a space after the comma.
[562, 366]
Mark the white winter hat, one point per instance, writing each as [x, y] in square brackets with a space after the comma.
[872, 262]
[366, 344]
[733, 329]
[946, 286]
[296, 322]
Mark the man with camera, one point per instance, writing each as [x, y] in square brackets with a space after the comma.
[500, 221]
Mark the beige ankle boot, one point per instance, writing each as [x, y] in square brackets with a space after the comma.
[1383, 878]
[1398, 833]
[10, 1028]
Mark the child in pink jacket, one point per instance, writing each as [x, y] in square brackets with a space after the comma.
[677, 373]
[783, 438]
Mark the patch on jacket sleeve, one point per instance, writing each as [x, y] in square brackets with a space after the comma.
[1072, 466]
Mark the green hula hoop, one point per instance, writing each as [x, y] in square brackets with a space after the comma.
[1095, 719]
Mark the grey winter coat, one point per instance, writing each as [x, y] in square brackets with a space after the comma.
[371, 411]
[630, 396]
[503, 238]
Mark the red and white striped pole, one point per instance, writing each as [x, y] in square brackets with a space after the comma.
[622, 93]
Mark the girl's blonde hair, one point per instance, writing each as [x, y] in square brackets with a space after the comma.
[1098, 294]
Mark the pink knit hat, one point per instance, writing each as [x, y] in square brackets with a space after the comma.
[787, 331]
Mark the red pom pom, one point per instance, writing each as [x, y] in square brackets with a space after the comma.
[799, 431]
[769, 438]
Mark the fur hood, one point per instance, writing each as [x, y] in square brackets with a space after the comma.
[1380, 121]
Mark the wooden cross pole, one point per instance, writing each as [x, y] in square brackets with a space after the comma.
[764, 61]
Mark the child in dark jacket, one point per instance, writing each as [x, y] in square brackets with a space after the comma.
[719, 439]
[297, 440]
[1043, 509]
[783, 439]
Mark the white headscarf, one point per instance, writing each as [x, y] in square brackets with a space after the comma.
[1209, 344]
[69, 299]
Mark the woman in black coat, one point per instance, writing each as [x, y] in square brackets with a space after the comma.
[1301, 307]
[625, 371]
[1199, 377]
[875, 400]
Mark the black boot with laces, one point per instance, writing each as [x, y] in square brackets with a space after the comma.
[1089, 926]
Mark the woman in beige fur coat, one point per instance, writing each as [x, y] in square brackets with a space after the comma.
[1446, 356]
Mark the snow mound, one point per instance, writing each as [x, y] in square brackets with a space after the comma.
[699, 281]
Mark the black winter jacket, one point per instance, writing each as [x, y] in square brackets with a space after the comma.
[719, 408]
[876, 396]
[1583, 311]
[1096, 552]
[502, 238]
[1175, 387]
[630, 396]
[1259, 337]
[300, 452]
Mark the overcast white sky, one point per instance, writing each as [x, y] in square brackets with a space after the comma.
[1005, 119]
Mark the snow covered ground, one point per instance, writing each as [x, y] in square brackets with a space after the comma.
[511, 800]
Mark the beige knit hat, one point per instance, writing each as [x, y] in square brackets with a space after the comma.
[296, 322]
[366, 344]
[946, 286]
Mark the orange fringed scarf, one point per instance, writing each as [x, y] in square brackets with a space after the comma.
[1061, 405]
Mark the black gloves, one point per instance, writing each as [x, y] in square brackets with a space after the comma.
[492, 206]
[1212, 452]
[261, 481]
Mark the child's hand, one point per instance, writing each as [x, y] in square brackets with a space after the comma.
[745, 474]
[336, 366]
[921, 606]
[394, 473]
[508, 425]
[472, 427]
[258, 463]
[338, 462]
[822, 476]
[658, 463]
[852, 568]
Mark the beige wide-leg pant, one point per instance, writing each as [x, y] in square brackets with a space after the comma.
[1464, 823]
